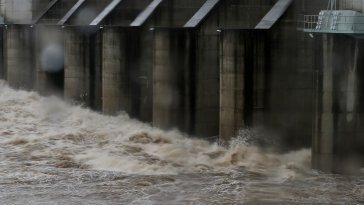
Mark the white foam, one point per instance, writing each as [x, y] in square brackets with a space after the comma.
[52, 127]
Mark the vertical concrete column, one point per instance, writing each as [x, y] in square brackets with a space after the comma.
[19, 56]
[2, 54]
[145, 78]
[259, 78]
[96, 71]
[77, 64]
[115, 82]
[232, 99]
[172, 80]
[323, 142]
[338, 142]
[207, 80]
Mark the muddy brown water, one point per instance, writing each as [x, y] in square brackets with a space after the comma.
[55, 153]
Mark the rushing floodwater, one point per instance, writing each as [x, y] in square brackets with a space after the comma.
[55, 153]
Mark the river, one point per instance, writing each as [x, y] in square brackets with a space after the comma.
[52, 152]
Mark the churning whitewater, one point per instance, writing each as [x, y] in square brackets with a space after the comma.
[48, 144]
[49, 129]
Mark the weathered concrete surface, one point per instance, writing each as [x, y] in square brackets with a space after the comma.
[173, 79]
[2, 55]
[77, 73]
[115, 80]
[232, 84]
[242, 67]
[338, 144]
[83, 66]
[127, 72]
[19, 60]
[281, 83]
[289, 97]
[144, 61]
[207, 79]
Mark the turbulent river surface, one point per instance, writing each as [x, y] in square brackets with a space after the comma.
[55, 153]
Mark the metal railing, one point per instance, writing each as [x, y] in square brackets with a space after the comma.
[310, 22]
[332, 22]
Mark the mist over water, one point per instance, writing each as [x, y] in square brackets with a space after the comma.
[53, 152]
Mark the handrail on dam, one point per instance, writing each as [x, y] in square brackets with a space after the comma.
[109, 8]
[71, 12]
[49, 6]
[274, 14]
[201, 13]
[146, 13]
[337, 21]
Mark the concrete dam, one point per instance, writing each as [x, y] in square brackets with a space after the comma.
[208, 68]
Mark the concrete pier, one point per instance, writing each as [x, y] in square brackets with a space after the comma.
[82, 81]
[242, 58]
[207, 80]
[19, 61]
[338, 143]
[116, 93]
[2, 55]
[173, 79]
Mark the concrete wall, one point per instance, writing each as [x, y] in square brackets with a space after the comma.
[242, 85]
[19, 60]
[116, 93]
[280, 94]
[127, 72]
[82, 81]
[289, 105]
[338, 143]
[2, 55]
[173, 79]
[232, 84]
[207, 79]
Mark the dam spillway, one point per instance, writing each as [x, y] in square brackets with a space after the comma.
[204, 67]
